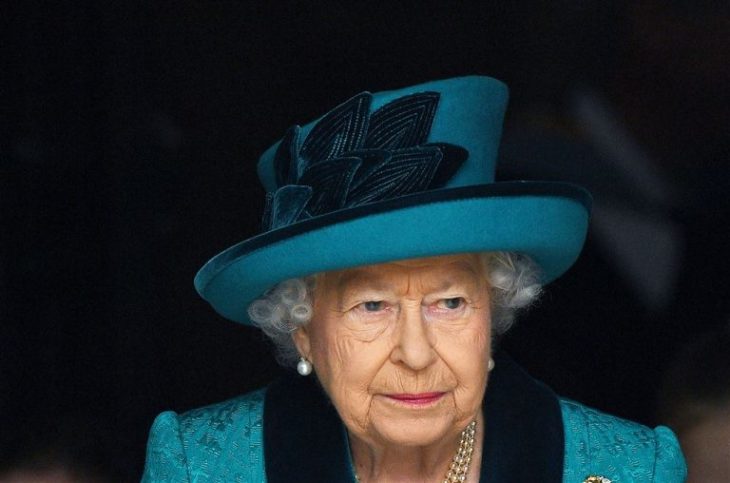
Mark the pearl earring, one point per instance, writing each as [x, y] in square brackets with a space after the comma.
[304, 367]
[491, 364]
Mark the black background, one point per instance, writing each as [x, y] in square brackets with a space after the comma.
[130, 132]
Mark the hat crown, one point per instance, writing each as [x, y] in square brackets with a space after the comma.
[382, 146]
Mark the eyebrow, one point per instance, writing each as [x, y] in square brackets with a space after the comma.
[458, 281]
[462, 274]
[357, 277]
[469, 268]
[346, 280]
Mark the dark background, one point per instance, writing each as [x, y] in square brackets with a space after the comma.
[130, 132]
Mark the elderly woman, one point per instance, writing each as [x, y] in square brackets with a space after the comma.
[390, 264]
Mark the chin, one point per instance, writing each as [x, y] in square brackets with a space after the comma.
[414, 430]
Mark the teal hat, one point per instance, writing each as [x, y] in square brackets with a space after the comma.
[394, 175]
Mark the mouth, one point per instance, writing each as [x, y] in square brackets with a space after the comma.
[416, 399]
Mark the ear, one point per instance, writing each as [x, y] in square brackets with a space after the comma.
[301, 340]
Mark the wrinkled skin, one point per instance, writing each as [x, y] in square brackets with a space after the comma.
[414, 326]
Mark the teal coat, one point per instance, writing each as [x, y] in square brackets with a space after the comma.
[289, 432]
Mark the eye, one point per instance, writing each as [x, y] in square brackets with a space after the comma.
[373, 305]
[452, 303]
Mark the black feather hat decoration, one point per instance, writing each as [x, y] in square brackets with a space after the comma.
[351, 158]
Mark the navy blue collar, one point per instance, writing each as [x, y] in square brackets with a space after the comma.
[305, 441]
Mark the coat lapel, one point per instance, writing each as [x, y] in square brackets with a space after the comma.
[523, 434]
[304, 439]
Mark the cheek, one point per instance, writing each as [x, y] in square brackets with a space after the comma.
[466, 340]
[342, 357]
[466, 352]
[346, 367]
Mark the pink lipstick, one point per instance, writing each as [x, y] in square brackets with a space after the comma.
[419, 399]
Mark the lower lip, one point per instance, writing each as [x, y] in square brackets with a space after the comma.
[423, 399]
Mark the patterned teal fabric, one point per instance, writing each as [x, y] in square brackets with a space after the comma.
[622, 451]
[224, 443]
[218, 443]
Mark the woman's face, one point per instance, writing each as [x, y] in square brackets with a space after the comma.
[402, 348]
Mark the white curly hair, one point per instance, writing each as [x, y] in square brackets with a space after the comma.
[514, 279]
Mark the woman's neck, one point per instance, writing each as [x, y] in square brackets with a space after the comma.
[423, 464]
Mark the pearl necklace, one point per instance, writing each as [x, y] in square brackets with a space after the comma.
[459, 468]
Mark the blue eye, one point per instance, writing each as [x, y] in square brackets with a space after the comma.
[452, 303]
[373, 305]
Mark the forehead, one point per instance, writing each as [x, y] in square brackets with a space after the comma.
[470, 266]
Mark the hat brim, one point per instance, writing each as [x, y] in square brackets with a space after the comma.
[547, 221]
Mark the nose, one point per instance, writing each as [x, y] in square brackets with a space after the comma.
[413, 347]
